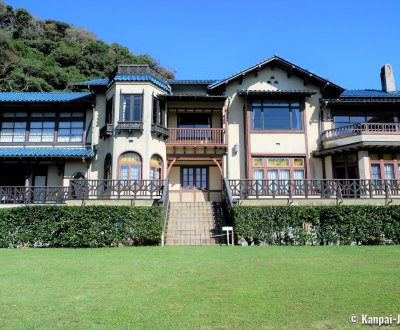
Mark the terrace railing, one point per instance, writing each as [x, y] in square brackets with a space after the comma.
[196, 136]
[361, 128]
[83, 190]
[32, 195]
[115, 189]
[339, 189]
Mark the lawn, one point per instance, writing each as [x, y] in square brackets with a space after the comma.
[197, 287]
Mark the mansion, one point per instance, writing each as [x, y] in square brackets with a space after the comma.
[272, 130]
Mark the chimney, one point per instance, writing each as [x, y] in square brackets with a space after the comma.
[387, 79]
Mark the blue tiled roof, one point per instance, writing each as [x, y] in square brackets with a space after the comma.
[43, 96]
[95, 82]
[47, 152]
[142, 78]
[193, 82]
[369, 93]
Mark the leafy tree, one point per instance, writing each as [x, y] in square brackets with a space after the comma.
[47, 55]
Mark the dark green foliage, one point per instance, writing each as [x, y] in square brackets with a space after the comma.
[318, 225]
[47, 55]
[80, 226]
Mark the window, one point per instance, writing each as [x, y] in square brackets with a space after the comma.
[42, 131]
[70, 131]
[109, 111]
[107, 175]
[194, 177]
[131, 107]
[278, 168]
[346, 120]
[130, 166]
[42, 127]
[156, 167]
[13, 131]
[158, 112]
[194, 120]
[385, 166]
[276, 115]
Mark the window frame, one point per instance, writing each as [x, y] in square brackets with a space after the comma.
[32, 117]
[291, 167]
[159, 168]
[130, 167]
[132, 97]
[266, 104]
[395, 161]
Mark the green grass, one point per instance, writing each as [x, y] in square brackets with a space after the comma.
[195, 287]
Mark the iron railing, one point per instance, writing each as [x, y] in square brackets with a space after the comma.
[159, 130]
[106, 130]
[129, 126]
[339, 189]
[361, 128]
[196, 136]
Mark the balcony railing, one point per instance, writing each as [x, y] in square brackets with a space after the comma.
[106, 130]
[83, 190]
[361, 128]
[159, 130]
[339, 189]
[197, 136]
[129, 126]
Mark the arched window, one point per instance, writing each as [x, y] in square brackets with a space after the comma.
[130, 166]
[107, 167]
[156, 168]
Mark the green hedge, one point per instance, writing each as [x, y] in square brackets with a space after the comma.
[318, 225]
[80, 226]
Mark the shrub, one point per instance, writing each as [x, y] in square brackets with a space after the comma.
[80, 226]
[318, 225]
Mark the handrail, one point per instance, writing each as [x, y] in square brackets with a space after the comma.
[227, 198]
[196, 136]
[360, 128]
[164, 201]
[319, 188]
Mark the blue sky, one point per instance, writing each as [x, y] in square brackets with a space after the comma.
[345, 41]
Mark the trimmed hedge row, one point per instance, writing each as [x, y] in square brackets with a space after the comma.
[80, 226]
[318, 225]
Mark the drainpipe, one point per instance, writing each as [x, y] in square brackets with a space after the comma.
[227, 139]
[320, 132]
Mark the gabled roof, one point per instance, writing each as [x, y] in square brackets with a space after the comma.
[141, 78]
[44, 96]
[80, 152]
[291, 68]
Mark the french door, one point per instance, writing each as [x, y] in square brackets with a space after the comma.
[195, 177]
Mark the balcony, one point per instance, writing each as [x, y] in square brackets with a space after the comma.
[195, 137]
[159, 130]
[106, 131]
[362, 133]
[129, 126]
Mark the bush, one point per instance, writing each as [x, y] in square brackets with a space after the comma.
[80, 226]
[318, 225]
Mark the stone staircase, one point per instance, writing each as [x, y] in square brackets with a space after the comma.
[195, 223]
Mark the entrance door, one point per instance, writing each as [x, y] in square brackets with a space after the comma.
[39, 192]
[345, 168]
[195, 181]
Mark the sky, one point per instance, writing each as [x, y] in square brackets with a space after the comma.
[344, 41]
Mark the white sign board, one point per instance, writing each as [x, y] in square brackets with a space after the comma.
[227, 228]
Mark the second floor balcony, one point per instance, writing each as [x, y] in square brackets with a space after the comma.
[194, 137]
[381, 133]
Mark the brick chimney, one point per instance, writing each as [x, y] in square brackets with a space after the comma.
[387, 79]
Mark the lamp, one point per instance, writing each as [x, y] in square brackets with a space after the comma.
[235, 148]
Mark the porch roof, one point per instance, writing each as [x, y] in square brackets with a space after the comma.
[50, 152]
[364, 145]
